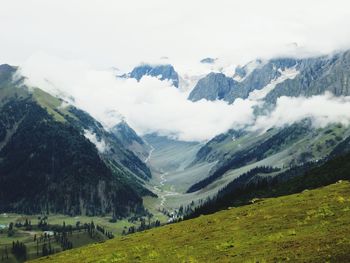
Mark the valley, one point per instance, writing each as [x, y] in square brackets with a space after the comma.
[92, 182]
[174, 131]
[172, 170]
[177, 165]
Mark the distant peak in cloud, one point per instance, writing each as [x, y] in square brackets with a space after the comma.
[153, 105]
[208, 60]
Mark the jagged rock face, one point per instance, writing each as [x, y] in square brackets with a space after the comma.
[263, 75]
[215, 86]
[315, 77]
[164, 72]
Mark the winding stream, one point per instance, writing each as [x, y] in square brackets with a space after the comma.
[163, 194]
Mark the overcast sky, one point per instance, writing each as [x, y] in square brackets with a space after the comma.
[118, 33]
[70, 46]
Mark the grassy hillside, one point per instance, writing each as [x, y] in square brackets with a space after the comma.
[312, 226]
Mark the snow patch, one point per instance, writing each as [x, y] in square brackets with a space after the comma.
[249, 68]
[289, 73]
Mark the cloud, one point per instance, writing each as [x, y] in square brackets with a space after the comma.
[124, 33]
[100, 144]
[152, 105]
[149, 106]
[321, 109]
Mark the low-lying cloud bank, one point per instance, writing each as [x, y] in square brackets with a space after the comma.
[152, 105]
[321, 109]
[148, 106]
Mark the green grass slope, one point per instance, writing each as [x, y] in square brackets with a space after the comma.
[311, 226]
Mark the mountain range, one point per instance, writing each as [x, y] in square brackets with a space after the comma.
[59, 152]
[300, 77]
[212, 165]
[57, 159]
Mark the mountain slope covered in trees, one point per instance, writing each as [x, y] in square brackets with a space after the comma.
[259, 183]
[284, 147]
[58, 159]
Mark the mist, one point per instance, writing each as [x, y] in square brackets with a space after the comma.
[86, 39]
[322, 110]
[152, 105]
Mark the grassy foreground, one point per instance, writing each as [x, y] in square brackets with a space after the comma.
[312, 226]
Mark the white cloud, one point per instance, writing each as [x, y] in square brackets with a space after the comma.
[100, 144]
[321, 109]
[123, 33]
[150, 105]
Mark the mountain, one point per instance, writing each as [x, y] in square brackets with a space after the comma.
[258, 183]
[215, 86]
[237, 152]
[163, 72]
[306, 227]
[129, 138]
[317, 75]
[56, 158]
[278, 77]
[208, 60]
[284, 147]
[6, 73]
[111, 148]
[253, 76]
[271, 144]
[242, 72]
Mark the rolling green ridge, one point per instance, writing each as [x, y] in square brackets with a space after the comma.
[311, 226]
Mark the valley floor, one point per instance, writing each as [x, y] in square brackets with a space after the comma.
[311, 226]
[78, 238]
[172, 174]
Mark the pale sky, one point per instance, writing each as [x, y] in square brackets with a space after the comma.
[69, 46]
[108, 33]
